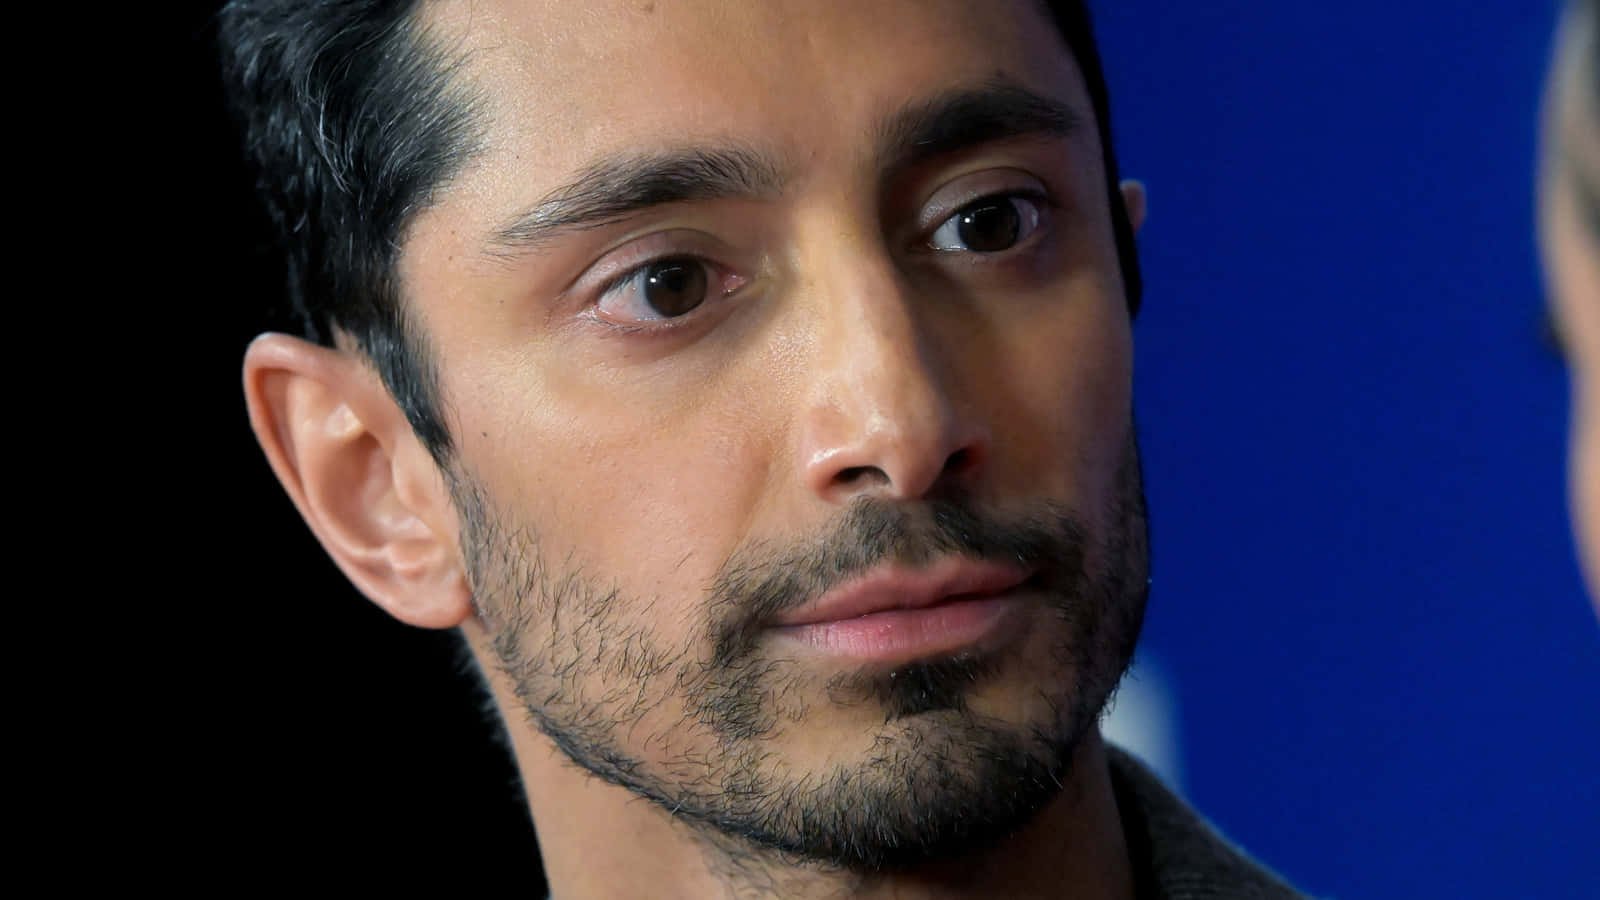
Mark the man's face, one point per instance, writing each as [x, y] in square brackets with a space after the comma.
[873, 353]
[1570, 195]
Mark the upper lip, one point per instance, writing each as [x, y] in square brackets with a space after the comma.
[895, 587]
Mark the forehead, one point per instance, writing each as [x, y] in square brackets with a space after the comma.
[566, 82]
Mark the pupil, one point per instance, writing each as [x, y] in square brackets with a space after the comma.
[991, 227]
[673, 287]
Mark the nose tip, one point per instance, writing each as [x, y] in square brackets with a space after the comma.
[894, 406]
[894, 462]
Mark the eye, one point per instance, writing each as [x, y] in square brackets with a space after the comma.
[988, 225]
[663, 289]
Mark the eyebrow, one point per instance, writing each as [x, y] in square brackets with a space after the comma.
[962, 119]
[616, 188]
[613, 189]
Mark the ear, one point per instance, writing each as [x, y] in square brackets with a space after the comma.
[1136, 202]
[353, 467]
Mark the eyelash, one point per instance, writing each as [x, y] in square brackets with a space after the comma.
[715, 272]
[1038, 198]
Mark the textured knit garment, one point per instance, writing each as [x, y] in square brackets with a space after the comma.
[1175, 854]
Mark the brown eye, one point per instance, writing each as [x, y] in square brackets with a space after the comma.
[989, 228]
[989, 225]
[673, 287]
[665, 290]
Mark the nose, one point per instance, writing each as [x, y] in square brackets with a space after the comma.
[892, 412]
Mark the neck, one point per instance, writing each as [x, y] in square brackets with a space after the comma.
[600, 841]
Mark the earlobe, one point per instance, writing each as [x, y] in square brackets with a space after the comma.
[347, 457]
[1135, 201]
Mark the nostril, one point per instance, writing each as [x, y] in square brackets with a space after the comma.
[960, 461]
[861, 475]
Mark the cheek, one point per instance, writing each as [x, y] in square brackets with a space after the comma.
[628, 487]
[1070, 406]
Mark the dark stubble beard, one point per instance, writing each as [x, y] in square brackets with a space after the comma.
[940, 780]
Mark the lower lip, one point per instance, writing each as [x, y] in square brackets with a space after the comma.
[912, 633]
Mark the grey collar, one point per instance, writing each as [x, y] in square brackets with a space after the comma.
[1176, 854]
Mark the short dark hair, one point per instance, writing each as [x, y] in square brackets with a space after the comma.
[353, 120]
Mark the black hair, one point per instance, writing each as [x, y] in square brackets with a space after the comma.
[353, 120]
[1073, 21]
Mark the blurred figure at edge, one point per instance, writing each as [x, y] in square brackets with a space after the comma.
[1569, 222]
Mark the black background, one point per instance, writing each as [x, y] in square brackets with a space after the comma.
[265, 719]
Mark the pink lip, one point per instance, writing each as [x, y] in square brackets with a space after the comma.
[896, 588]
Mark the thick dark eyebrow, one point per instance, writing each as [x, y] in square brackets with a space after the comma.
[962, 119]
[615, 188]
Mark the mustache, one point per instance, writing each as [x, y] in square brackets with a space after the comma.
[760, 582]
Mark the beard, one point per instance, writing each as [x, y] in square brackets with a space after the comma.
[699, 727]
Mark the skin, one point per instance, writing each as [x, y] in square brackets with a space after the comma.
[1572, 262]
[847, 362]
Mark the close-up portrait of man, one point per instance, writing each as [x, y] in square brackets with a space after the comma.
[750, 384]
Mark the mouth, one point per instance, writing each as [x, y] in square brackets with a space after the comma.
[895, 614]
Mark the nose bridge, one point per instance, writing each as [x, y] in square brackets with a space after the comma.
[886, 413]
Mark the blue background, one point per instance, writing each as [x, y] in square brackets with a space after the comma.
[1387, 673]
